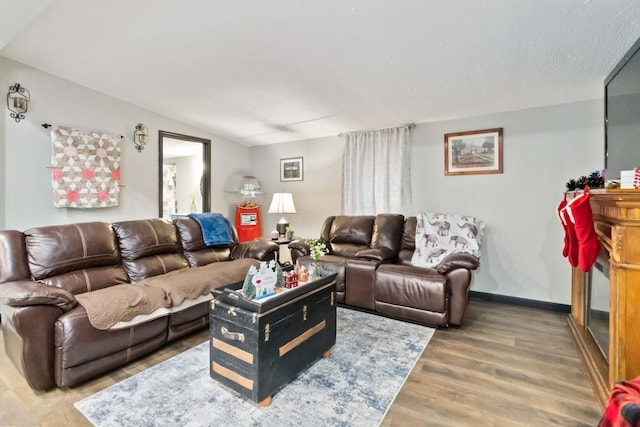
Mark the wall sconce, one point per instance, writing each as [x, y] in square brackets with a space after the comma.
[18, 101]
[140, 136]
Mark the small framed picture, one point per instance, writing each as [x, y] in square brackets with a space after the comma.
[291, 169]
[473, 152]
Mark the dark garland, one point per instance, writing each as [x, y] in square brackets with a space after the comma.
[593, 181]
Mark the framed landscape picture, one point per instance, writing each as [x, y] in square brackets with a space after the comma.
[473, 152]
[291, 169]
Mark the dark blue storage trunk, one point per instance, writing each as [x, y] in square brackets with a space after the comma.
[256, 349]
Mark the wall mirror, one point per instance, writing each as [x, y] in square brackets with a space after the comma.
[184, 174]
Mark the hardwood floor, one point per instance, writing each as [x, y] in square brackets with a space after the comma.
[507, 366]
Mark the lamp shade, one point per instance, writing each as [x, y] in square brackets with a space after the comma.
[282, 203]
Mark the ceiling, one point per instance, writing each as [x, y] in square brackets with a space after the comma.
[262, 72]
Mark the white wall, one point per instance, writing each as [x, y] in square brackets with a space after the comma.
[316, 197]
[27, 200]
[543, 148]
[4, 83]
[521, 254]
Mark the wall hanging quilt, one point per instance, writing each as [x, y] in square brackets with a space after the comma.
[85, 168]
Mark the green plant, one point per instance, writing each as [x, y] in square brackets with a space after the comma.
[289, 229]
[316, 249]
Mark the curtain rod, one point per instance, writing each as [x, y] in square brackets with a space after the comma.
[47, 126]
[411, 126]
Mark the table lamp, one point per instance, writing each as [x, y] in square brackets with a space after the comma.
[282, 203]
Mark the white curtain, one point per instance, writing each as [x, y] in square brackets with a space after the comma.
[376, 172]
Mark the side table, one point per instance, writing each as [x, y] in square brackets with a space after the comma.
[280, 241]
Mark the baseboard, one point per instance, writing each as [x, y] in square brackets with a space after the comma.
[551, 306]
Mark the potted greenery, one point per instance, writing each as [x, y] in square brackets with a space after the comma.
[317, 249]
[289, 232]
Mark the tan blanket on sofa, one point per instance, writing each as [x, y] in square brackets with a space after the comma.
[108, 306]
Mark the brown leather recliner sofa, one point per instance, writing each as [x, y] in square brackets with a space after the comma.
[372, 258]
[48, 335]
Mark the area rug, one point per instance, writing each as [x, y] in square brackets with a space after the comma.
[355, 386]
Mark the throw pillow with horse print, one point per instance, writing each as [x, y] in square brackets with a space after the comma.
[438, 235]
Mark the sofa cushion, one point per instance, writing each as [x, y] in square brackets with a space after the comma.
[387, 233]
[205, 256]
[415, 287]
[151, 266]
[347, 250]
[148, 248]
[190, 234]
[78, 342]
[195, 250]
[407, 245]
[375, 254]
[76, 257]
[89, 279]
[216, 229]
[191, 238]
[61, 249]
[356, 230]
[142, 238]
[350, 234]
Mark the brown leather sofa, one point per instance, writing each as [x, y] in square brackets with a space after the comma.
[372, 258]
[47, 334]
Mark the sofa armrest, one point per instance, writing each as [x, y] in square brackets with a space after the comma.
[375, 254]
[457, 260]
[256, 249]
[298, 248]
[300, 245]
[360, 291]
[24, 293]
[459, 280]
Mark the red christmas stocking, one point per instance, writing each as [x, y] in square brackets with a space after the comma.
[561, 206]
[579, 211]
[571, 240]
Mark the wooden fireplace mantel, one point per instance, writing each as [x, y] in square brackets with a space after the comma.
[616, 215]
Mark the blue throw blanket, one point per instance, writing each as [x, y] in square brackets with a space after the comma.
[216, 229]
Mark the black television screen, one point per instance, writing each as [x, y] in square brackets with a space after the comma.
[622, 115]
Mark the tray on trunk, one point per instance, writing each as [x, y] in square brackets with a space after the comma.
[230, 295]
